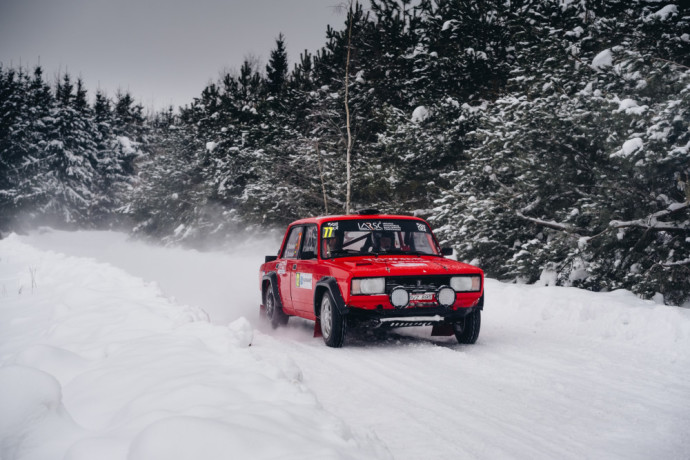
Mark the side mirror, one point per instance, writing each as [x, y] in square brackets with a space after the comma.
[308, 255]
[446, 251]
[270, 258]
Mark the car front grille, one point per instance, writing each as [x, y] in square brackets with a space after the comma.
[417, 283]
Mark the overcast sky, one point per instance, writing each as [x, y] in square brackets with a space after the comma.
[163, 51]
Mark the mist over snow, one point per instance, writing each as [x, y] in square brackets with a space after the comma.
[114, 349]
[224, 283]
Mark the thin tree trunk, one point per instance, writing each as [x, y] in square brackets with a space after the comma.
[347, 110]
[323, 182]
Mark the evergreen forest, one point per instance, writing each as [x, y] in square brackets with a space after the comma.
[545, 140]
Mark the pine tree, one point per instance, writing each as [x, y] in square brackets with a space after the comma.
[277, 69]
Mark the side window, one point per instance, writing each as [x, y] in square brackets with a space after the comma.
[310, 239]
[292, 246]
[423, 242]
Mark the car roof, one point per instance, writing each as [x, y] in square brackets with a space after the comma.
[321, 219]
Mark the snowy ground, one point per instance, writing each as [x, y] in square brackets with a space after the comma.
[106, 352]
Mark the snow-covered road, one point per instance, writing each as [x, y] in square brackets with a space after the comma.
[556, 373]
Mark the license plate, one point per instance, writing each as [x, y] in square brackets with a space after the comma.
[424, 296]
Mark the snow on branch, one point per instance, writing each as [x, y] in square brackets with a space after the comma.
[652, 222]
[547, 223]
[677, 263]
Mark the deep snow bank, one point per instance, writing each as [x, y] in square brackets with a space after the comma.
[619, 316]
[95, 363]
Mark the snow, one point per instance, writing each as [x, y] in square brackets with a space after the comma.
[629, 147]
[127, 144]
[111, 368]
[98, 360]
[420, 114]
[577, 32]
[602, 60]
[664, 13]
[630, 107]
[359, 78]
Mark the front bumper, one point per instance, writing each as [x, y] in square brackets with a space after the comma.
[422, 316]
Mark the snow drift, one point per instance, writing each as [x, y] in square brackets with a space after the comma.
[99, 364]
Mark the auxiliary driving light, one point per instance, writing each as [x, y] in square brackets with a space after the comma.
[400, 297]
[445, 296]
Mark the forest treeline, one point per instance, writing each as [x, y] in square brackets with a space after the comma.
[544, 139]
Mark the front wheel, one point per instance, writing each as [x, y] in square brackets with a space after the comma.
[467, 329]
[332, 322]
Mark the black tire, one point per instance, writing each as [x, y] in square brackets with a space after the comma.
[332, 322]
[274, 313]
[467, 329]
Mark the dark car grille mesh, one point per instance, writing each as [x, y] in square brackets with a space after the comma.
[417, 283]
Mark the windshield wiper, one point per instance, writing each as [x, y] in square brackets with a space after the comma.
[346, 252]
[404, 252]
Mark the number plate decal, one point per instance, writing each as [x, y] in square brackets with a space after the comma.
[424, 296]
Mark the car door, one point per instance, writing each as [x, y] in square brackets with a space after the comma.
[303, 268]
[287, 265]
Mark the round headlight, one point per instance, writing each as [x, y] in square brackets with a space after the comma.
[446, 296]
[400, 297]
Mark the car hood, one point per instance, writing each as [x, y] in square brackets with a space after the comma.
[403, 266]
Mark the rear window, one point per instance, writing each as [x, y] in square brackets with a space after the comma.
[292, 245]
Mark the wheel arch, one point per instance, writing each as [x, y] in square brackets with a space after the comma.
[270, 281]
[330, 285]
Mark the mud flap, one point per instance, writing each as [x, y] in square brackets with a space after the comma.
[442, 329]
[317, 328]
[262, 311]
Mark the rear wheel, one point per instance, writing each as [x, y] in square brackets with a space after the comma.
[274, 313]
[332, 322]
[467, 329]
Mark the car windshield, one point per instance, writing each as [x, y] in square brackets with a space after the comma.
[346, 238]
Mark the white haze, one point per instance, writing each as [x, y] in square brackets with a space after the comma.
[225, 284]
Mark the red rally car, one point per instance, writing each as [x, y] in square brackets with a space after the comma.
[370, 270]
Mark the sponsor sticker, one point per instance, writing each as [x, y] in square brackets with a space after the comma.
[421, 227]
[391, 227]
[378, 226]
[369, 226]
[303, 280]
[280, 268]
